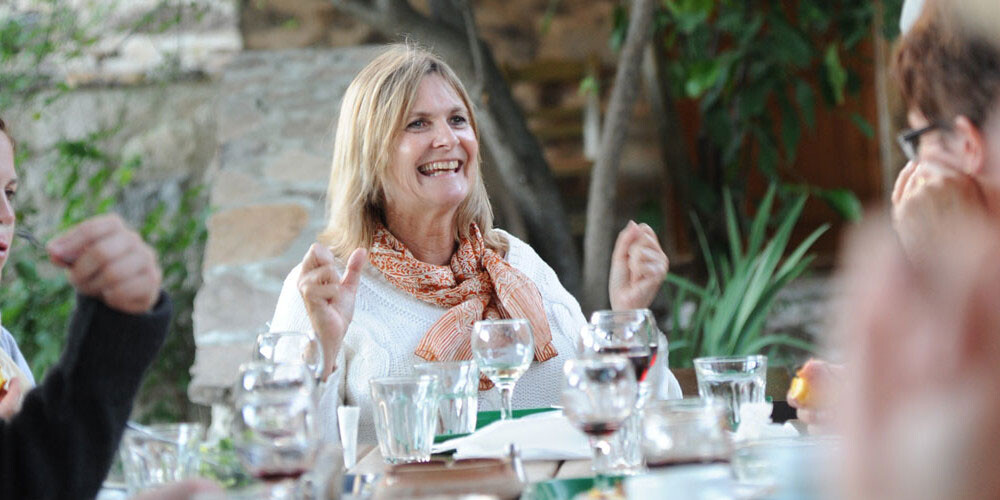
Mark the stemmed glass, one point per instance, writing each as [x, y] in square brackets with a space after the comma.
[632, 334]
[599, 396]
[503, 348]
[274, 433]
[290, 348]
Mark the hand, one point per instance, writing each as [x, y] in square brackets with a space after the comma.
[329, 299]
[10, 398]
[638, 267]
[925, 199]
[109, 261]
[923, 360]
[820, 378]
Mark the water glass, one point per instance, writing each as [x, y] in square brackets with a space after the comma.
[598, 397]
[405, 413]
[734, 380]
[685, 431]
[160, 454]
[290, 348]
[273, 427]
[503, 348]
[458, 394]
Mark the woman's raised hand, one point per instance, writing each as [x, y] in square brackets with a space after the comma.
[329, 298]
[638, 267]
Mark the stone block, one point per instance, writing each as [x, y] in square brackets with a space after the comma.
[233, 187]
[252, 233]
[300, 166]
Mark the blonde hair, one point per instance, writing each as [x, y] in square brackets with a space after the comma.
[372, 116]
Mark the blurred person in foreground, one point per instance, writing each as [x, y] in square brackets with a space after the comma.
[919, 406]
[948, 71]
[406, 196]
[61, 442]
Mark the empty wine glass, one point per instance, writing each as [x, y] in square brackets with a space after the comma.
[503, 348]
[599, 396]
[290, 348]
[274, 421]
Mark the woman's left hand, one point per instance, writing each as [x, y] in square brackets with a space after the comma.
[638, 267]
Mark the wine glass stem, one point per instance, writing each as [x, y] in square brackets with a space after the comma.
[506, 401]
[602, 466]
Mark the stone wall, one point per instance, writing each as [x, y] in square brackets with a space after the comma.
[275, 113]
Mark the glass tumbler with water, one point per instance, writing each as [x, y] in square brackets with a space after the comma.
[458, 394]
[734, 380]
[155, 455]
[503, 348]
[405, 413]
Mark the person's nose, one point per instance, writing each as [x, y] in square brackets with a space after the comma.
[444, 136]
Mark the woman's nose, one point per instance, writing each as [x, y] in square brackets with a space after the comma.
[444, 136]
[7, 214]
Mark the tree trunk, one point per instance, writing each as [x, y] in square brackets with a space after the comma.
[511, 146]
[890, 159]
[599, 237]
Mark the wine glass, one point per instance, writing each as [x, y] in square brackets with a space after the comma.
[631, 333]
[599, 396]
[274, 433]
[503, 348]
[290, 348]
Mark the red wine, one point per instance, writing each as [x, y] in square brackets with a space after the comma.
[271, 476]
[641, 357]
[600, 428]
[656, 464]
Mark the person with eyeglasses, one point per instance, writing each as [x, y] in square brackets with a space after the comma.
[948, 70]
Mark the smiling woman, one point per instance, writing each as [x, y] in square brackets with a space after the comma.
[406, 195]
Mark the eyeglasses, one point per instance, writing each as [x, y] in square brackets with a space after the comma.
[909, 140]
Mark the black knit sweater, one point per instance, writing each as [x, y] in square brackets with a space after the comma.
[61, 443]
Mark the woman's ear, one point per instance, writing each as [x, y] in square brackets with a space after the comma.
[970, 145]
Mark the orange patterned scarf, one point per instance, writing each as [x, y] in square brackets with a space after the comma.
[477, 284]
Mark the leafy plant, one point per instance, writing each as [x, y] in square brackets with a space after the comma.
[731, 308]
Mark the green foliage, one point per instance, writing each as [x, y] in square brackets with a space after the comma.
[37, 300]
[755, 70]
[732, 307]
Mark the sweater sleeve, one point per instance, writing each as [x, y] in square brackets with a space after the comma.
[61, 443]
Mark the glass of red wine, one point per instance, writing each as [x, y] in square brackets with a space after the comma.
[598, 397]
[274, 433]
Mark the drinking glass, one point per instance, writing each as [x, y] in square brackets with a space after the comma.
[290, 348]
[734, 380]
[503, 348]
[599, 395]
[405, 413]
[685, 431]
[155, 455]
[274, 433]
[458, 394]
[633, 334]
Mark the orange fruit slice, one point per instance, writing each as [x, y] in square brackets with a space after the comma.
[799, 390]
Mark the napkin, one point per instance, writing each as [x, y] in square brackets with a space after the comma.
[755, 423]
[545, 436]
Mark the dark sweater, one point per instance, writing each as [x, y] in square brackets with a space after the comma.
[61, 443]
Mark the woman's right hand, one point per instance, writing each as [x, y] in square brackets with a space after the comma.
[329, 298]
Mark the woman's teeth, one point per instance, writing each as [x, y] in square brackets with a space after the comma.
[438, 168]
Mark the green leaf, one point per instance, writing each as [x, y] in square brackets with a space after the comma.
[863, 125]
[844, 202]
[689, 14]
[835, 73]
[807, 102]
[703, 75]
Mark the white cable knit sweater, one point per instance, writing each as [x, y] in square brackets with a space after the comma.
[388, 323]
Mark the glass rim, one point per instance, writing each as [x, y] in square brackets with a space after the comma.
[403, 379]
[605, 359]
[504, 321]
[454, 362]
[686, 403]
[730, 359]
[622, 312]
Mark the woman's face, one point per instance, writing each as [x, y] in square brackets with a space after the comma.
[8, 180]
[434, 160]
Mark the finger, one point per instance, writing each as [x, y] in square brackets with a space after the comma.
[355, 263]
[66, 248]
[901, 181]
[625, 239]
[646, 262]
[320, 276]
[11, 401]
[100, 253]
[317, 256]
[117, 271]
[651, 235]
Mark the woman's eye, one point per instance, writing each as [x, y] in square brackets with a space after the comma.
[10, 194]
[458, 120]
[416, 124]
